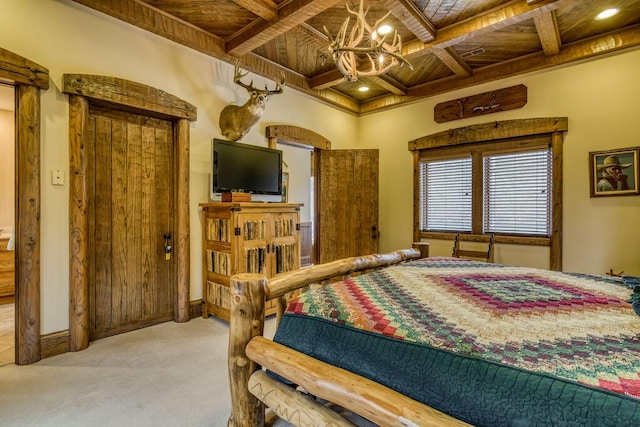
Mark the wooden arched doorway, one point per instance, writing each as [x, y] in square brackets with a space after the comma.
[345, 194]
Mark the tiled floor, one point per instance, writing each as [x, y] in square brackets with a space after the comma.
[7, 334]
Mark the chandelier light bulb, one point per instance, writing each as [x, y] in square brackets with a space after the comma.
[384, 29]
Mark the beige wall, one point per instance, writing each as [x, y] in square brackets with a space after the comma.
[68, 38]
[600, 99]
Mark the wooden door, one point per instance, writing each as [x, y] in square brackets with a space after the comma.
[132, 284]
[347, 203]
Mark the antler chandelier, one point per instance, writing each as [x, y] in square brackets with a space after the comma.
[364, 51]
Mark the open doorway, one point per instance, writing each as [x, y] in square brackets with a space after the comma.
[298, 170]
[7, 218]
[342, 190]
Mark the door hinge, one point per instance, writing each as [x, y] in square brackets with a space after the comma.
[236, 231]
[298, 227]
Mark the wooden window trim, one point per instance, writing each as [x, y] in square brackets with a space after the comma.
[509, 135]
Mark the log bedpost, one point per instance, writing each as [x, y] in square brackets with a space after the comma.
[248, 292]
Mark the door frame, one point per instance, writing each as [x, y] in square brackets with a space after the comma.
[305, 138]
[28, 79]
[119, 94]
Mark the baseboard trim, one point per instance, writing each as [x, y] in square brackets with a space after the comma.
[54, 344]
[195, 309]
[57, 343]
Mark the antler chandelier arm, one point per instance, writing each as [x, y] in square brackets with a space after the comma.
[376, 51]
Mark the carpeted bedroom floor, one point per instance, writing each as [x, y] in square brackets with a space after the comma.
[166, 375]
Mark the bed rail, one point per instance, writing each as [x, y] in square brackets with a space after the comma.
[375, 402]
[249, 292]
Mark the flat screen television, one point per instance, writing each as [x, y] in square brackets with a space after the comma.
[245, 168]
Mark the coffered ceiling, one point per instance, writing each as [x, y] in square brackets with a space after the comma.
[450, 44]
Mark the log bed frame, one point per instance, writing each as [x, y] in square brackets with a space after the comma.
[252, 390]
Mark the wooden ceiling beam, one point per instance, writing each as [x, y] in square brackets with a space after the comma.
[614, 41]
[388, 83]
[548, 32]
[154, 20]
[411, 17]
[290, 15]
[452, 59]
[512, 13]
[326, 80]
[265, 9]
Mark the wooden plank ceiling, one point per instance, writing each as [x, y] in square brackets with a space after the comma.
[451, 44]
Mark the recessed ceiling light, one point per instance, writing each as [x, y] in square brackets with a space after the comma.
[384, 29]
[607, 13]
[363, 88]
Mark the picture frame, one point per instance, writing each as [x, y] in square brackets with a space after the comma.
[614, 172]
[285, 187]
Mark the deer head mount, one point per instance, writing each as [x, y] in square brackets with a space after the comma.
[363, 47]
[235, 121]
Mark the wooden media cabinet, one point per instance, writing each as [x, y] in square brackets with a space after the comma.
[246, 237]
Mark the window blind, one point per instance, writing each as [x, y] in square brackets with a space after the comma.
[517, 193]
[445, 195]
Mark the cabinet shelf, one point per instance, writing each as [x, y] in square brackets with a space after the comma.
[244, 237]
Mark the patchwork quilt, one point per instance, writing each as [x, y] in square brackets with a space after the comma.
[489, 344]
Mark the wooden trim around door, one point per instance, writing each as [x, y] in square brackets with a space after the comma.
[120, 94]
[28, 78]
[306, 138]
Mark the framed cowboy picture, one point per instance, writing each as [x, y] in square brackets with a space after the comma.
[614, 172]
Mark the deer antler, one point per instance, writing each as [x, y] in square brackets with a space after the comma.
[238, 75]
[349, 54]
[279, 86]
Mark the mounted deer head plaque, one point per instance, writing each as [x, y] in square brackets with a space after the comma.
[235, 121]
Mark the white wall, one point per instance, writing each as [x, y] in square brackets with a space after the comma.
[601, 100]
[66, 37]
[69, 38]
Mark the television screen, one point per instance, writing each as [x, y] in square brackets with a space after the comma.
[246, 168]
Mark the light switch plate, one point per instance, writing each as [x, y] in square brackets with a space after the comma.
[57, 177]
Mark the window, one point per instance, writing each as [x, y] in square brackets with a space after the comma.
[445, 195]
[517, 193]
[515, 197]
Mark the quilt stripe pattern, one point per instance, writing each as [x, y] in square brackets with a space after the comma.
[575, 327]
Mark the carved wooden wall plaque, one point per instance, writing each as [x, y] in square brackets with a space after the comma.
[508, 98]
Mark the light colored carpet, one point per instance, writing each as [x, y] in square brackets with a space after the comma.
[173, 374]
